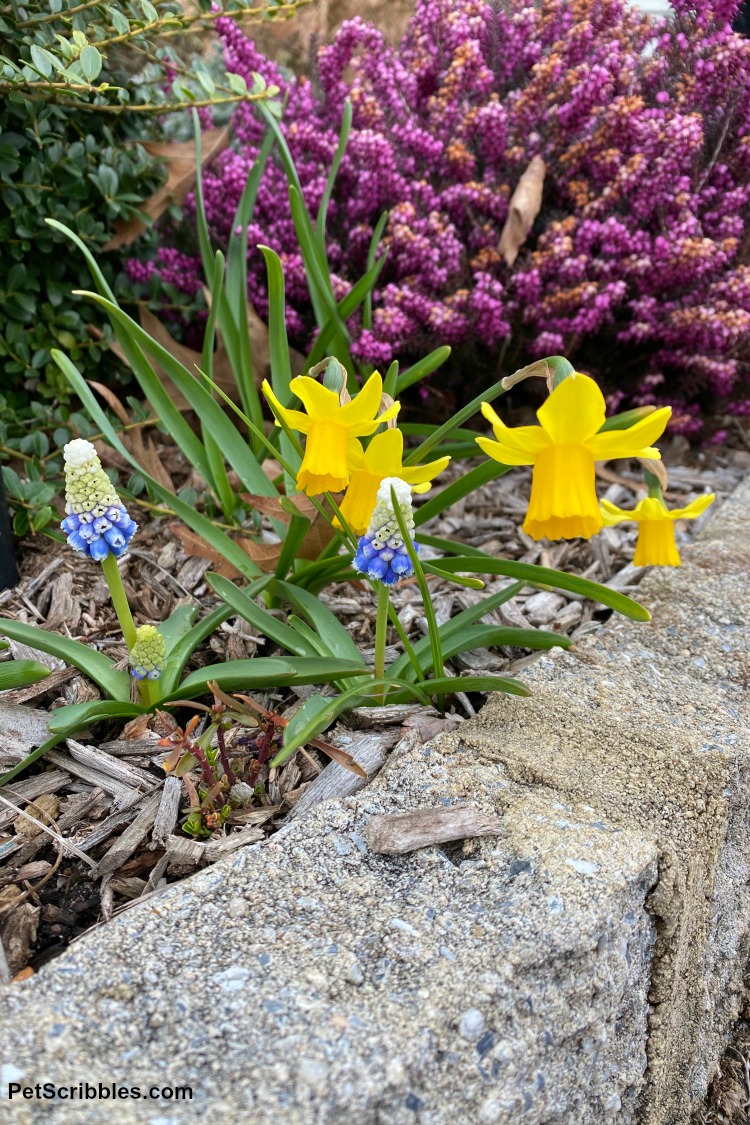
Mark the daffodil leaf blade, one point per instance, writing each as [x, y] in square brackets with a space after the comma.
[223, 431]
[471, 636]
[179, 622]
[198, 523]
[546, 577]
[323, 711]
[185, 646]
[447, 685]
[440, 501]
[93, 664]
[422, 368]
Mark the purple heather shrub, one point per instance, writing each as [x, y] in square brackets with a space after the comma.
[638, 265]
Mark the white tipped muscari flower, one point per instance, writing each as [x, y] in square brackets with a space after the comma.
[381, 553]
[148, 654]
[96, 522]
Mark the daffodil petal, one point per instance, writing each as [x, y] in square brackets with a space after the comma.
[694, 508]
[612, 514]
[385, 453]
[318, 401]
[420, 474]
[634, 442]
[355, 455]
[523, 439]
[363, 429]
[491, 415]
[294, 419]
[574, 411]
[503, 453]
[364, 406]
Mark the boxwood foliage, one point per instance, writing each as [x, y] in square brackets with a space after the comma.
[80, 85]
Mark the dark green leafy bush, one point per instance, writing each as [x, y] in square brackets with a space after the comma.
[80, 86]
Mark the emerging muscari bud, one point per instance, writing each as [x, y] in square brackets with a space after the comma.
[381, 553]
[148, 654]
[97, 523]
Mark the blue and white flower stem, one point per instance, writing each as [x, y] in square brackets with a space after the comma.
[383, 556]
[97, 525]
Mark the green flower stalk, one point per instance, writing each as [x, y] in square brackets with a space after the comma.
[97, 525]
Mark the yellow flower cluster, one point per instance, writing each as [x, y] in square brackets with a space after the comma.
[335, 459]
[563, 450]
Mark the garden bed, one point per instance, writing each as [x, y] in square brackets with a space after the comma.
[110, 796]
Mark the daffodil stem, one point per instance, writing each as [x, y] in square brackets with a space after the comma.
[381, 626]
[654, 485]
[124, 616]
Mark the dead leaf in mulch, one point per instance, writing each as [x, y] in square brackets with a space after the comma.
[143, 449]
[42, 810]
[522, 210]
[190, 359]
[181, 169]
[265, 555]
[18, 928]
[195, 546]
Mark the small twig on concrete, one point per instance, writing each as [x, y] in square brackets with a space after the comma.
[398, 833]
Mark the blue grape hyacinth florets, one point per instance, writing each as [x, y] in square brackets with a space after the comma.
[96, 522]
[381, 553]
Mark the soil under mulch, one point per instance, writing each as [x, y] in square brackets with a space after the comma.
[107, 795]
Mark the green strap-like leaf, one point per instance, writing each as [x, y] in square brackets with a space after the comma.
[263, 672]
[545, 576]
[244, 604]
[21, 673]
[221, 542]
[440, 501]
[422, 368]
[320, 716]
[334, 635]
[93, 664]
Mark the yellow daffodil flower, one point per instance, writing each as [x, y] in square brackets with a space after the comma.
[382, 458]
[329, 428]
[563, 450]
[656, 543]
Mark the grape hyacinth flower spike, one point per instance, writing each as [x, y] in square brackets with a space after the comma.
[96, 521]
[381, 553]
[149, 653]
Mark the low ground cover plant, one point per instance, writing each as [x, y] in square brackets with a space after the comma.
[568, 178]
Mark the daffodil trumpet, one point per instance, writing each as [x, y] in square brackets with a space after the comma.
[329, 428]
[656, 545]
[563, 450]
[369, 467]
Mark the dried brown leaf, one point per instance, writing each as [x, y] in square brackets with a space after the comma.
[523, 209]
[181, 168]
[195, 546]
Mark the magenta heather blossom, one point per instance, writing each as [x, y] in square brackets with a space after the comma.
[637, 266]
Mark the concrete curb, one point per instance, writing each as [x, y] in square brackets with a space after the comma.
[584, 967]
